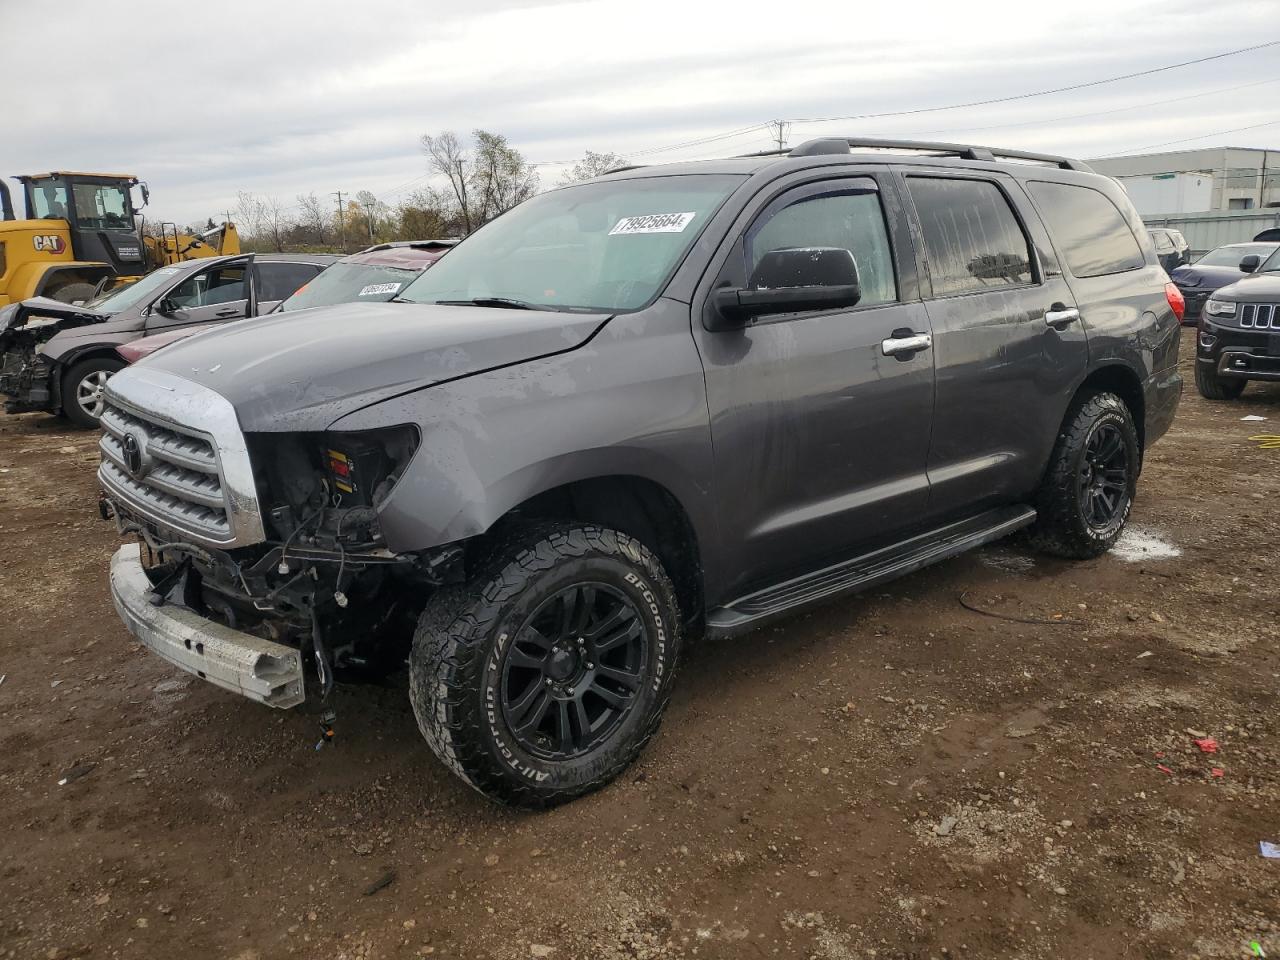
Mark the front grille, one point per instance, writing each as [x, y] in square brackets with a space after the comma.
[1260, 316]
[177, 484]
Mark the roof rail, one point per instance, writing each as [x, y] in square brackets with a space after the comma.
[965, 151]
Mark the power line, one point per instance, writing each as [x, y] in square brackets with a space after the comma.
[1203, 136]
[1101, 113]
[1038, 93]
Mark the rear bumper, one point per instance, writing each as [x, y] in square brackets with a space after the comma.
[1161, 394]
[267, 672]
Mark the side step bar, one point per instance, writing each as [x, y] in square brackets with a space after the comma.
[865, 571]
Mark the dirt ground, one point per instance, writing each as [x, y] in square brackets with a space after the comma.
[893, 776]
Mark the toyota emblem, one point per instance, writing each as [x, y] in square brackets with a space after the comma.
[132, 454]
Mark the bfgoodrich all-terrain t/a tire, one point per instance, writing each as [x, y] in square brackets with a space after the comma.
[1087, 492]
[545, 675]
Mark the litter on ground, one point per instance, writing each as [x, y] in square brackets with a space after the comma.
[1269, 850]
[1137, 544]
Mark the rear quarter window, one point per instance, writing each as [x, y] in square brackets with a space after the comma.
[1088, 228]
[279, 280]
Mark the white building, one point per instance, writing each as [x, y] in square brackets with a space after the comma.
[1238, 178]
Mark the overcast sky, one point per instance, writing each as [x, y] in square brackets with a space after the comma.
[285, 98]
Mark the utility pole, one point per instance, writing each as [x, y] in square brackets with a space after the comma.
[780, 130]
[342, 233]
[369, 216]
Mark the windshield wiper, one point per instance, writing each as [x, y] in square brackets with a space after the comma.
[503, 302]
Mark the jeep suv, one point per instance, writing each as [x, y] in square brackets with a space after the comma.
[671, 400]
[1239, 336]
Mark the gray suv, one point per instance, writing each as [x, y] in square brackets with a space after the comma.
[669, 401]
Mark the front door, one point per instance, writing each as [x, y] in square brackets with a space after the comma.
[820, 437]
[1008, 343]
[214, 295]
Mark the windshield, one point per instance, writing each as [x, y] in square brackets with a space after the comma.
[604, 246]
[131, 294]
[1232, 255]
[347, 282]
[1272, 263]
[101, 206]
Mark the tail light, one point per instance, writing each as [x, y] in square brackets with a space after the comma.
[1177, 302]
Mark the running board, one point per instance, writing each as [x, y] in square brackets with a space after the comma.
[865, 571]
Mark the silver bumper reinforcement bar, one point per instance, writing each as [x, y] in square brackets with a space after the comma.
[270, 673]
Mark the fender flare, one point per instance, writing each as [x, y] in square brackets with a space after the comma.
[94, 273]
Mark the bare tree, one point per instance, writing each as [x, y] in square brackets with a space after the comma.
[275, 221]
[250, 211]
[446, 157]
[592, 165]
[487, 180]
[314, 214]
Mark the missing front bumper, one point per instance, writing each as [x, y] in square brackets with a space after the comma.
[267, 672]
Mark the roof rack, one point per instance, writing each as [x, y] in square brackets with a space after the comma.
[965, 151]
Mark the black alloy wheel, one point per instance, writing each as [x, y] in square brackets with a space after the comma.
[570, 676]
[1103, 486]
[1088, 488]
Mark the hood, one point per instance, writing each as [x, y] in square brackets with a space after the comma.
[1254, 287]
[47, 316]
[304, 370]
[1204, 278]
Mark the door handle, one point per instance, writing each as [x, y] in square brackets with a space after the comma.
[232, 312]
[1060, 315]
[905, 346]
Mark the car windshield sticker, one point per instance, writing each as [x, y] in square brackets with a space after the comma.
[376, 288]
[653, 223]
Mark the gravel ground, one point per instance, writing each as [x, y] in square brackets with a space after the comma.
[893, 776]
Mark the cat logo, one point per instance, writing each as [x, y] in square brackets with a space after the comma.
[49, 243]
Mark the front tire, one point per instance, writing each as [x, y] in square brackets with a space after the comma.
[1088, 490]
[82, 389]
[1214, 387]
[545, 675]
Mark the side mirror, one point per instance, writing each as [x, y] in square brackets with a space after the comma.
[1250, 263]
[790, 281]
[168, 307]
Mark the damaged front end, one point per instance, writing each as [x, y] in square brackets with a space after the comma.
[269, 543]
[26, 374]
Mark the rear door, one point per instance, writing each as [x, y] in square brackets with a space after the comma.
[820, 438]
[280, 279]
[1008, 345]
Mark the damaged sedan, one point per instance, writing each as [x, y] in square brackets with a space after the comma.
[57, 357]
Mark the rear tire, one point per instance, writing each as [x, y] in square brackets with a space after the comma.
[1087, 492]
[545, 675]
[73, 293]
[82, 389]
[1214, 387]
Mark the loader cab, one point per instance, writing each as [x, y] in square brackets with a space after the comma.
[99, 212]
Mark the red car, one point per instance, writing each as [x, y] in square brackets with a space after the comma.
[373, 275]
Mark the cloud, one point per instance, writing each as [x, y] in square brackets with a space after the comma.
[288, 98]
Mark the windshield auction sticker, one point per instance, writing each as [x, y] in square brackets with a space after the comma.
[653, 223]
[373, 289]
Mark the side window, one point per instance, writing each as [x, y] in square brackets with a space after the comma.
[49, 200]
[1089, 229]
[276, 281]
[848, 218]
[1162, 241]
[221, 285]
[971, 236]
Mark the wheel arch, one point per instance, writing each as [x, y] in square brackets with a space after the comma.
[1121, 380]
[637, 506]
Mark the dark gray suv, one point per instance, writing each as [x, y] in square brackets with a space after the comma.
[671, 400]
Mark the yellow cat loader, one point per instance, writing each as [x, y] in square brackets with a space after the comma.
[80, 236]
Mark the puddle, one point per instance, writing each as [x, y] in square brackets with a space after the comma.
[1000, 559]
[1137, 544]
